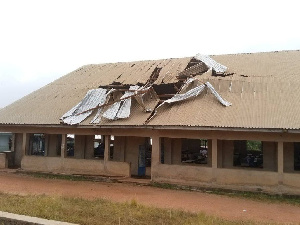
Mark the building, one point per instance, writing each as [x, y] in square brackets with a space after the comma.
[228, 121]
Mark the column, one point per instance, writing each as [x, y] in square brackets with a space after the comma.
[155, 157]
[176, 144]
[280, 161]
[79, 146]
[63, 148]
[107, 148]
[167, 151]
[220, 153]
[89, 147]
[106, 151]
[214, 153]
[46, 144]
[25, 143]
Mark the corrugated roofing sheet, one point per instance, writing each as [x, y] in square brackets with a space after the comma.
[262, 87]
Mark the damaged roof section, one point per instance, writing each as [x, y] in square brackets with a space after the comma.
[211, 64]
[201, 64]
[82, 110]
[114, 110]
[167, 93]
[187, 93]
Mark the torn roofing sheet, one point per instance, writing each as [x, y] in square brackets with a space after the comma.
[191, 93]
[212, 64]
[194, 92]
[97, 117]
[93, 98]
[121, 109]
[218, 96]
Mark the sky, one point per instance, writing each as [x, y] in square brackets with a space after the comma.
[41, 41]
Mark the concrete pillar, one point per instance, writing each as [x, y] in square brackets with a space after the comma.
[18, 149]
[288, 157]
[107, 148]
[89, 147]
[209, 152]
[13, 142]
[228, 152]
[214, 153]
[63, 149]
[119, 149]
[280, 161]
[270, 156]
[54, 145]
[167, 151]
[25, 145]
[79, 146]
[220, 153]
[155, 157]
[176, 150]
[46, 144]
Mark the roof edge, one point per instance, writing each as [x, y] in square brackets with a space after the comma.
[7, 127]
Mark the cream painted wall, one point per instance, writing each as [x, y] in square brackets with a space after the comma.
[18, 142]
[3, 161]
[132, 152]
[54, 144]
[79, 146]
[74, 166]
[288, 157]
[119, 148]
[270, 155]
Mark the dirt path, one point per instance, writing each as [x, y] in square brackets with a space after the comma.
[221, 206]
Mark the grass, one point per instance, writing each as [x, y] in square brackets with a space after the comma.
[256, 196]
[100, 211]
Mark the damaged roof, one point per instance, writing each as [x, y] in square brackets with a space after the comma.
[262, 88]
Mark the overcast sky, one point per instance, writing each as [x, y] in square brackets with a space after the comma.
[41, 41]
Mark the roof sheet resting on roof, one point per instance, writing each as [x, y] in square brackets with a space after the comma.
[262, 87]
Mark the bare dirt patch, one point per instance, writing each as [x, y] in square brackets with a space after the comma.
[221, 206]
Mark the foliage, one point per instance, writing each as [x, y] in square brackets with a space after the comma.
[254, 145]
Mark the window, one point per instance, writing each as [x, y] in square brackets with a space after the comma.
[194, 151]
[70, 144]
[297, 156]
[99, 147]
[248, 154]
[37, 144]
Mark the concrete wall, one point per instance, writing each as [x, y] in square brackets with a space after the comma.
[79, 146]
[132, 152]
[3, 161]
[270, 155]
[119, 148]
[181, 174]
[18, 142]
[227, 178]
[53, 144]
[75, 166]
[288, 157]
[227, 153]
[89, 147]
